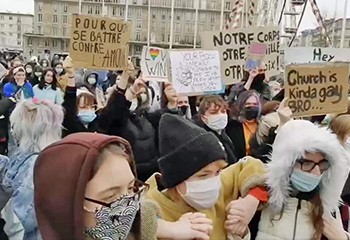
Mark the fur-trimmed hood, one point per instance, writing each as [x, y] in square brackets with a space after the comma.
[292, 141]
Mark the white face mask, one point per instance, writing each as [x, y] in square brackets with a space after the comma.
[29, 70]
[217, 122]
[59, 70]
[202, 194]
[91, 80]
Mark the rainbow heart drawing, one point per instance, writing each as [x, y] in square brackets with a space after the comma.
[154, 53]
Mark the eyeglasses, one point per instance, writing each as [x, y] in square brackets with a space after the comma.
[308, 166]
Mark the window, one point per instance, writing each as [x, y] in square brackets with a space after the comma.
[10, 26]
[65, 19]
[64, 31]
[163, 37]
[178, 17]
[213, 5]
[163, 26]
[40, 6]
[54, 31]
[54, 43]
[10, 18]
[177, 38]
[163, 17]
[138, 25]
[187, 39]
[154, 16]
[138, 13]
[40, 29]
[212, 18]
[19, 42]
[40, 17]
[47, 44]
[65, 8]
[138, 49]
[122, 12]
[55, 18]
[2, 25]
[98, 10]
[90, 10]
[135, 2]
[10, 34]
[177, 27]
[30, 42]
[1, 17]
[228, 5]
[55, 6]
[19, 36]
[138, 36]
[114, 11]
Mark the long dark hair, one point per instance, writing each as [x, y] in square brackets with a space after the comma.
[42, 82]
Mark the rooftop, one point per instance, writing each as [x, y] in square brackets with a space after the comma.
[16, 14]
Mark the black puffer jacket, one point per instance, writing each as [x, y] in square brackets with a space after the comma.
[139, 128]
[6, 106]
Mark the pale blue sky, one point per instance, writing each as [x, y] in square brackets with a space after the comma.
[309, 21]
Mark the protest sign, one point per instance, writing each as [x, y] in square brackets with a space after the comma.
[99, 43]
[317, 89]
[297, 55]
[233, 47]
[195, 72]
[154, 64]
[255, 56]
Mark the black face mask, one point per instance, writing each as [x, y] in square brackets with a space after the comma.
[183, 110]
[251, 113]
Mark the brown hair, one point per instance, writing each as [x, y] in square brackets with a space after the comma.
[316, 217]
[207, 101]
[121, 150]
[89, 99]
[341, 127]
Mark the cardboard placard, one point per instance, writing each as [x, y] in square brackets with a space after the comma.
[256, 54]
[317, 89]
[154, 64]
[195, 72]
[99, 43]
[297, 55]
[233, 47]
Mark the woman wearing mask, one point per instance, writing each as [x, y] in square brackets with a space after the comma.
[19, 88]
[44, 63]
[91, 84]
[35, 125]
[305, 179]
[47, 89]
[245, 113]
[29, 71]
[126, 115]
[101, 194]
[36, 75]
[213, 118]
[59, 72]
[193, 179]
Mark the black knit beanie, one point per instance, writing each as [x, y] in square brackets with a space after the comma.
[185, 149]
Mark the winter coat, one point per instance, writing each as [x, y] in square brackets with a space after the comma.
[11, 89]
[16, 180]
[71, 121]
[295, 222]
[94, 89]
[236, 180]
[293, 140]
[139, 128]
[47, 93]
[236, 90]
[6, 105]
[224, 139]
[234, 130]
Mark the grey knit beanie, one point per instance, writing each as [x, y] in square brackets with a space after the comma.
[185, 149]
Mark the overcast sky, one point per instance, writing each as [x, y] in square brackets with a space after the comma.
[309, 21]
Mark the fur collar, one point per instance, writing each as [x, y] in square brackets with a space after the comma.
[292, 141]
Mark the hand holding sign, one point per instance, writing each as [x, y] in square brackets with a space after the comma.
[284, 112]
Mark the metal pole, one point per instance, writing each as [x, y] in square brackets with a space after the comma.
[126, 10]
[172, 24]
[333, 25]
[344, 25]
[103, 8]
[149, 24]
[222, 15]
[80, 5]
[196, 24]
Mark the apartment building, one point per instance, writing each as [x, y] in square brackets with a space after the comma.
[53, 20]
[12, 28]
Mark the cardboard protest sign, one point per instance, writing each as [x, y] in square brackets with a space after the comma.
[195, 72]
[154, 64]
[233, 47]
[99, 43]
[297, 55]
[317, 89]
[256, 54]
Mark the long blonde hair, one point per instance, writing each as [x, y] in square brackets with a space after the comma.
[36, 124]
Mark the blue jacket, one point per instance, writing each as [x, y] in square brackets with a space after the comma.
[11, 88]
[16, 179]
[47, 93]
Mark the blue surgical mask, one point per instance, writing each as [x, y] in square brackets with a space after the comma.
[87, 116]
[304, 181]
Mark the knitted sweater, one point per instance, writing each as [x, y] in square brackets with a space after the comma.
[236, 181]
[47, 93]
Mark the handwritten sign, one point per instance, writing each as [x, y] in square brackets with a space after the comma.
[195, 72]
[99, 43]
[317, 89]
[299, 55]
[256, 55]
[154, 64]
[233, 47]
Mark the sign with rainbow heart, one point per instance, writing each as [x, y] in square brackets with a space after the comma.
[154, 64]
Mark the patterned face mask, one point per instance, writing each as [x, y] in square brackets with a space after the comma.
[114, 220]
